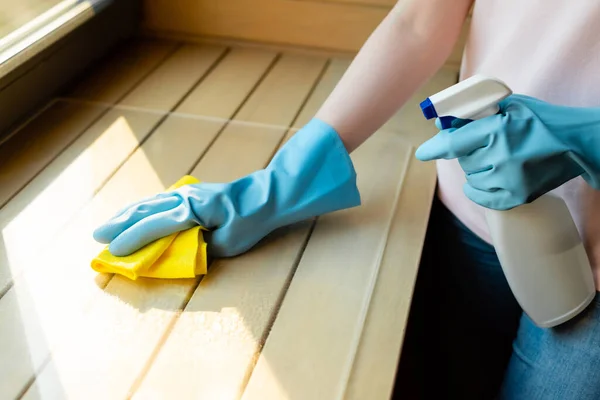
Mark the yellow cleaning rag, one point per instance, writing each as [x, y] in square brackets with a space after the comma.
[179, 255]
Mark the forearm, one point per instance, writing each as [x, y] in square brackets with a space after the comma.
[405, 50]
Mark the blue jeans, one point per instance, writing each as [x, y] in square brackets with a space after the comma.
[467, 337]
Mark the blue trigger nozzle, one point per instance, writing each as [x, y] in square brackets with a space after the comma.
[428, 109]
[429, 112]
[446, 122]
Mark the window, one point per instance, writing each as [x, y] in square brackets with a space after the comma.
[45, 44]
[29, 26]
[14, 15]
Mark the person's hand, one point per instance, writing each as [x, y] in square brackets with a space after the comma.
[526, 150]
[310, 175]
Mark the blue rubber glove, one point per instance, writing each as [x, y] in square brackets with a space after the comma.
[526, 150]
[310, 175]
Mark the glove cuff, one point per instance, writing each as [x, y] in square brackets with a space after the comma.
[332, 161]
[323, 175]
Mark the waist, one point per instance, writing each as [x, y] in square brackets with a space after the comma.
[582, 201]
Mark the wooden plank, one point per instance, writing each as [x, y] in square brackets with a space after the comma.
[294, 79]
[216, 95]
[378, 353]
[130, 64]
[166, 86]
[70, 180]
[374, 370]
[37, 143]
[311, 347]
[66, 185]
[130, 320]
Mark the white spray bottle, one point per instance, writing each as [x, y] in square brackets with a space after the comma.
[538, 245]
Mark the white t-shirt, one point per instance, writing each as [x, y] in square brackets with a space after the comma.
[548, 49]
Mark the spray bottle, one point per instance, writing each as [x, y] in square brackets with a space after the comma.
[538, 245]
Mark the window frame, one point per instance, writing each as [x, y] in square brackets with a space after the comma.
[46, 56]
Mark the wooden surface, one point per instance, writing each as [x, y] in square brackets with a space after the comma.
[333, 25]
[315, 311]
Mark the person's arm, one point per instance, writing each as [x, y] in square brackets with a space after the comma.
[526, 150]
[406, 49]
[312, 174]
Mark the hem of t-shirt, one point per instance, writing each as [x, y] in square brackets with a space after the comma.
[464, 219]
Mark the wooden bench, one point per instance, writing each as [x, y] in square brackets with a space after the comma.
[316, 311]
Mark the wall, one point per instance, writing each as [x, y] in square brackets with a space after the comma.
[332, 25]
